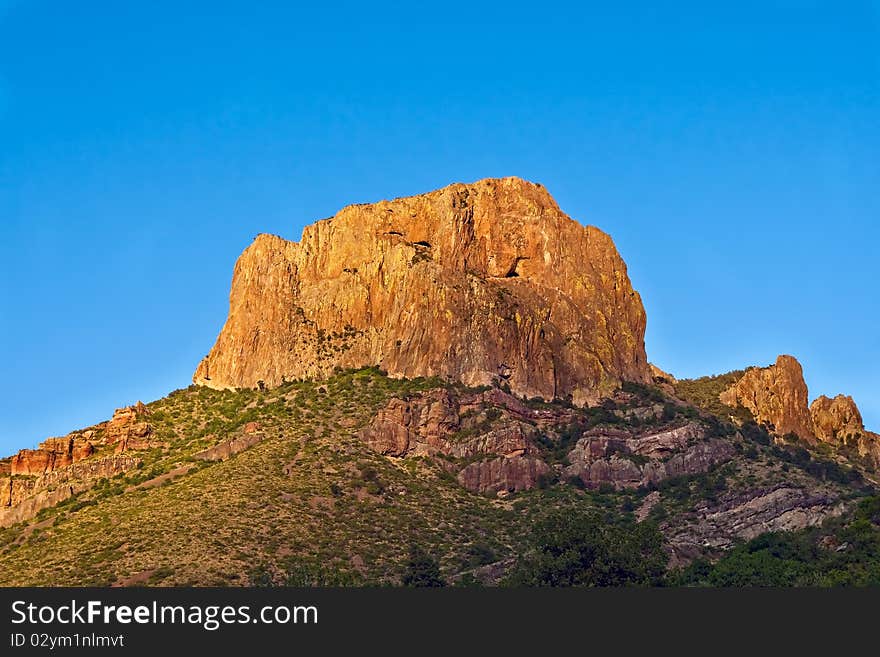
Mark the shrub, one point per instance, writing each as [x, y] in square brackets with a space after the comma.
[479, 554]
[751, 430]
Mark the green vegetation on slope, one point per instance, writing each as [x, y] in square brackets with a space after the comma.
[842, 552]
[703, 393]
[311, 505]
[591, 549]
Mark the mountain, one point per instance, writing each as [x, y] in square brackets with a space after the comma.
[475, 283]
[450, 387]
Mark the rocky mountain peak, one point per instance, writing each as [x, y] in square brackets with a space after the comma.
[775, 395]
[487, 283]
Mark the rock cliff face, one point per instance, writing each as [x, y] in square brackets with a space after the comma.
[776, 395]
[836, 419]
[486, 439]
[839, 421]
[23, 497]
[129, 429]
[625, 461]
[52, 453]
[479, 283]
[492, 442]
[743, 515]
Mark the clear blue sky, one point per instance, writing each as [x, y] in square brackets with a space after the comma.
[732, 153]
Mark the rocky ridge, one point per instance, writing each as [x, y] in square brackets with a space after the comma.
[531, 337]
[777, 396]
[34, 479]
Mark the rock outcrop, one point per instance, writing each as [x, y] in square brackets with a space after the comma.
[51, 454]
[480, 283]
[503, 474]
[743, 515]
[22, 498]
[838, 421]
[493, 442]
[775, 395]
[250, 435]
[485, 438]
[129, 429]
[835, 420]
[660, 376]
[624, 461]
[34, 479]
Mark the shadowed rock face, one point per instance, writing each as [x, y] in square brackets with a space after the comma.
[776, 395]
[492, 442]
[624, 461]
[743, 515]
[478, 283]
[485, 438]
[503, 474]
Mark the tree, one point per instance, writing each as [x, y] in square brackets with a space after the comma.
[422, 570]
[591, 549]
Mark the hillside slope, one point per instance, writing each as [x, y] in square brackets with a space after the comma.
[308, 498]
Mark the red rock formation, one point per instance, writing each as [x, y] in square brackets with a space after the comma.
[495, 436]
[836, 419]
[415, 425]
[776, 395]
[52, 453]
[480, 283]
[839, 421]
[129, 430]
[460, 426]
[492, 427]
[22, 498]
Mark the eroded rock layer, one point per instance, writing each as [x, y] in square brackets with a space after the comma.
[493, 443]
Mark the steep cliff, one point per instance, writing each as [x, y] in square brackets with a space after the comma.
[478, 283]
[776, 395]
[35, 479]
